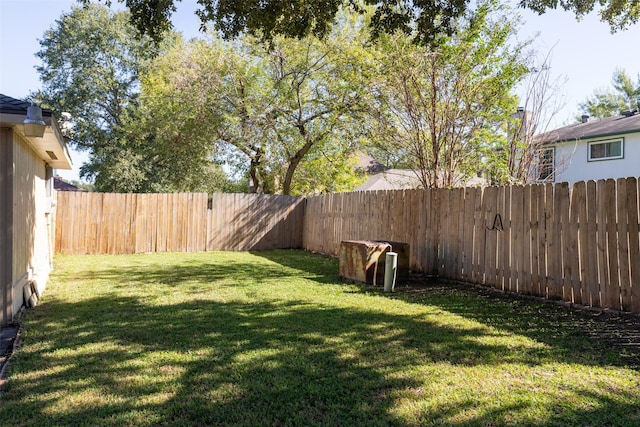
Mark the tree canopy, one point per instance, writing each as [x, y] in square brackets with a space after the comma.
[285, 112]
[440, 108]
[426, 20]
[91, 64]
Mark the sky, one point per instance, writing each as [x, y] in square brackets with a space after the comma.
[584, 55]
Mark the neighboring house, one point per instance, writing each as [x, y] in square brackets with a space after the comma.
[382, 178]
[29, 152]
[391, 179]
[60, 184]
[594, 149]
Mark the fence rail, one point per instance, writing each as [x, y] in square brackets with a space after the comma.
[578, 244]
[105, 223]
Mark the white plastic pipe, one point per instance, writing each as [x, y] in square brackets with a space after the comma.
[390, 267]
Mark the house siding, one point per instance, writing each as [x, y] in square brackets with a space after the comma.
[27, 215]
[31, 223]
[27, 249]
[573, 165]
[6, 225]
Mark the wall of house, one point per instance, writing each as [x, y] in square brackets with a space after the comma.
[572, 164]
[32, 232]
[6, 219]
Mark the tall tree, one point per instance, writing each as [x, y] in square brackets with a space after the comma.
[427, 20]
[286, 107]
[606, 103]
[90, 64]
[619, 14]
[438, 108]
[516, 154]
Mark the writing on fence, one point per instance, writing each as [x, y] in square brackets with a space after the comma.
[578, 244]
[93, 223]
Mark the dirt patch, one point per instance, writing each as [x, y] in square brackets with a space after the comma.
[605, 328]
[8, 339]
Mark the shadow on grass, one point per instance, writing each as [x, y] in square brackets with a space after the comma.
[205, 362]
[317, 267]
[207, 269]
[233, 363]
[579, 335]
[576, 335]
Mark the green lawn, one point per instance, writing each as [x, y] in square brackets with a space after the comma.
[273, 338]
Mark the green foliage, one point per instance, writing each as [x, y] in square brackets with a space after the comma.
[90, 64]
[619, 14]
[606, 103]
[83, 185]
[425, 20]
[439, 108]
[321, 174]
[285, 115]
[92, 60]
[287, 109]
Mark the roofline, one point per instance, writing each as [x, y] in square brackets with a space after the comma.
[602, 135]
[52, 139]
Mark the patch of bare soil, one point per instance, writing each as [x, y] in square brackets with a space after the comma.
[605, 328]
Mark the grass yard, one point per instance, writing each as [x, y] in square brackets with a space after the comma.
[273, 338]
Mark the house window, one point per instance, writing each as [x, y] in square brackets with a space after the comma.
[546, 164]
[606, 150]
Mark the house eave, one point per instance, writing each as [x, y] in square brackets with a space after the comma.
[590, 137]
[51, 148]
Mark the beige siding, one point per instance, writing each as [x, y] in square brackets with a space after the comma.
[31, 230]
[6, 218]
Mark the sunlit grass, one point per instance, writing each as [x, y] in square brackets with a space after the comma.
[274, 338]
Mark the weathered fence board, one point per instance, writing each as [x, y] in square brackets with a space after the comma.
[579, 244]
[93, 223]
[634, 243]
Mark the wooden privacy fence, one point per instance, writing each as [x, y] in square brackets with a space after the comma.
[104, 223]
[578, 244]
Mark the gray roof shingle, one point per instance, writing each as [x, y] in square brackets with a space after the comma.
[611, 126]
[9, 105]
